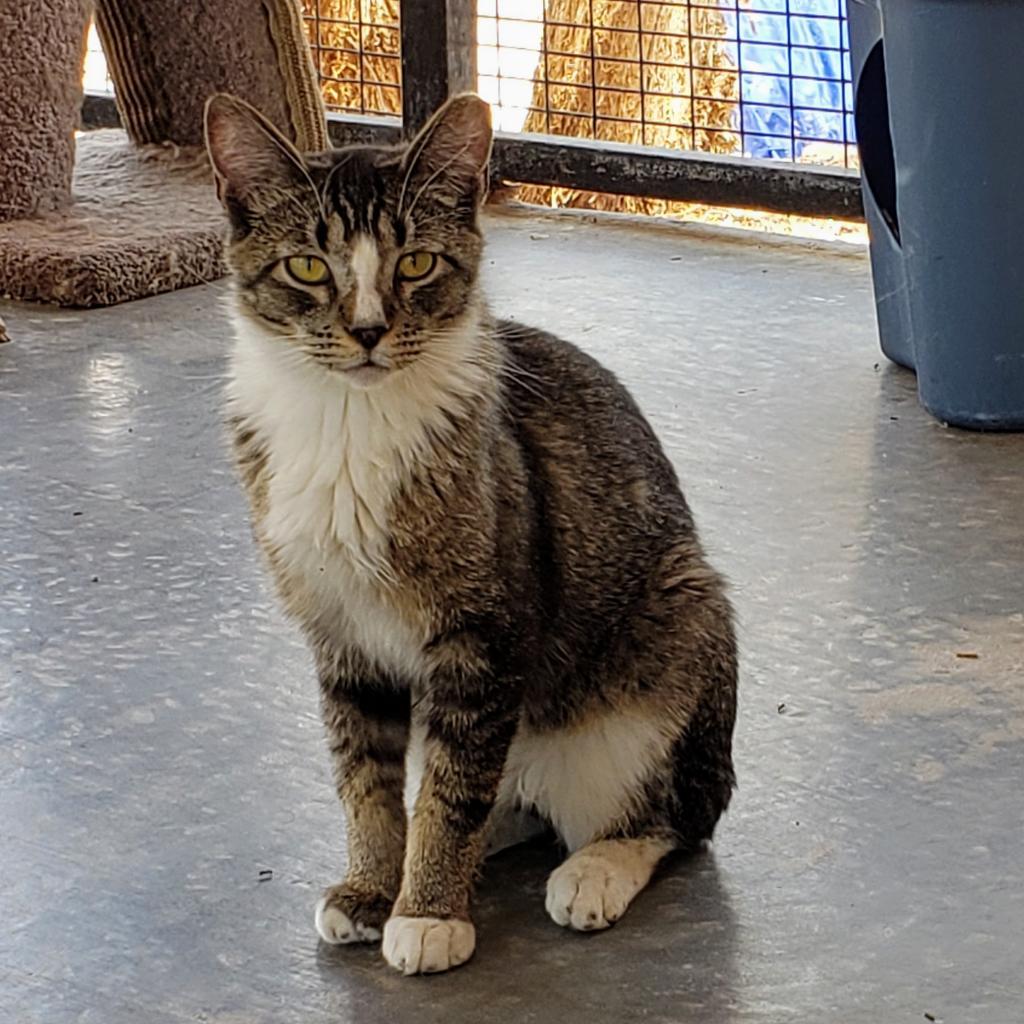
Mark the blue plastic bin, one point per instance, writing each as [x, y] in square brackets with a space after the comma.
[945, 196]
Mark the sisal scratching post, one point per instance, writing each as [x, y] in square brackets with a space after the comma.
[139, 214]
[167, 59]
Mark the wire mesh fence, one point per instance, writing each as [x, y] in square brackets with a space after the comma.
[357, 52]
[757, 78]
[664, 78]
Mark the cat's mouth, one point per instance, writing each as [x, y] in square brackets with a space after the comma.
[366, 374]
[363, 373]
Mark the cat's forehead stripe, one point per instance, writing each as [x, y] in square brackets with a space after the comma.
[365, 267]
[355, 191]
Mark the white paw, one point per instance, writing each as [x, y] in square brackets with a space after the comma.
[588, 892]
[335, 927]
[426, 945]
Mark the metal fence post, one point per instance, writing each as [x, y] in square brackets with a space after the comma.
[438, 56]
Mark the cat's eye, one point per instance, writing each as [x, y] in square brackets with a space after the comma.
[307, 269]
[414, 266]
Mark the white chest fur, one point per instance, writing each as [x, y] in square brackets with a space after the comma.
[336, 458]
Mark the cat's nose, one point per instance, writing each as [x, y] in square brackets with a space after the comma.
[368, 337]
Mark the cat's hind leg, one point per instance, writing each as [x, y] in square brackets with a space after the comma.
[593, 888]
[676, 794]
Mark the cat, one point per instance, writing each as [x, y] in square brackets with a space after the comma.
[479, 535]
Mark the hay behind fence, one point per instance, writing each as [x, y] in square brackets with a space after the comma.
[654, 74]
[637, 75]
[684, 94]
[357, 50]
[651, 74]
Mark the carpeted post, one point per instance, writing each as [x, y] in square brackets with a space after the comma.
[140, 216]
[42, 50]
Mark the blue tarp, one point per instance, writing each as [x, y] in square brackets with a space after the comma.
[794, 63]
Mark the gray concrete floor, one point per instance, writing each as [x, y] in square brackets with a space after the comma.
[159, 741]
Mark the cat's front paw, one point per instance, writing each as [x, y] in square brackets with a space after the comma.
[345, 915]
[427, 945]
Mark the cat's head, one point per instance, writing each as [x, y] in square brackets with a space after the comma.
[362, 260]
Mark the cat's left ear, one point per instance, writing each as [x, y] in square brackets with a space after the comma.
[450, 155]
[252, 161]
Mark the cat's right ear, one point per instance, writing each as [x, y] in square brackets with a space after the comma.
[252, 161]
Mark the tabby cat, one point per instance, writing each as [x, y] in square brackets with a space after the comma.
[479, 535]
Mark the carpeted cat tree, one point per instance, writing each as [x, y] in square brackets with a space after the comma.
[116, 215]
